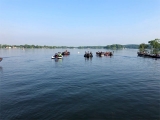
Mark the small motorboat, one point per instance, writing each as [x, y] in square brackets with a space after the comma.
[108, 53]
[1, 59]
[155, 56]
[97, 53]
[144, 54]
[88, 54]
[100, 54]
[57, 56]
[140, 53]
[66, 53]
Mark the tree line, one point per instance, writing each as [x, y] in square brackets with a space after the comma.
[32, 46]
[153, 45]
[113, 46]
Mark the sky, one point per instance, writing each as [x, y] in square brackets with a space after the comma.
[79, 22]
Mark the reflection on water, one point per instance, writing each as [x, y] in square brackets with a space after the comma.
[87, 59]
[1, 68]
[58, 60]
[66, 55]
[38, 87]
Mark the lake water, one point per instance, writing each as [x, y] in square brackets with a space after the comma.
[33, 86]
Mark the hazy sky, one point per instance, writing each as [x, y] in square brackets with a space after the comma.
[79, 22]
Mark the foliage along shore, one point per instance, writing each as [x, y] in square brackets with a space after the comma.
[114, 46]
[153, 46]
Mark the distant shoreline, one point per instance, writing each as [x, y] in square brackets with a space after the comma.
[113, 46]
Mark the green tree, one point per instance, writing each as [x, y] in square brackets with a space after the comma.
[143, 46]
[155, 45]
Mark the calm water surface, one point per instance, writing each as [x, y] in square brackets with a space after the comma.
[33, 86]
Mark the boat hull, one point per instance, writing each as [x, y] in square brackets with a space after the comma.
[104, 54]
[53, 57]
[65, 53]
[153, 56]
[88, 55]
[148, 55]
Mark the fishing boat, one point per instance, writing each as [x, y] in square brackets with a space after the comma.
[140, 53]
[155, 55]
[145, 54]
[100, 53]
[88, 54]
[108, 54]
[57, 56]
[66, 53]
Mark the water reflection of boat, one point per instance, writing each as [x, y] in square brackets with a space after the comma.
[1, 59]
[1, 69]
[58, 60]
[88, 58]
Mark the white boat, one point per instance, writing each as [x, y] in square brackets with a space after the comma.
[59, 57]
